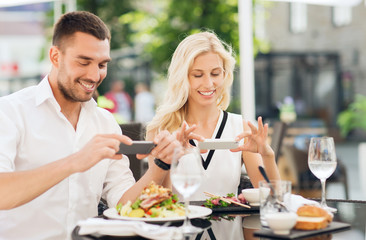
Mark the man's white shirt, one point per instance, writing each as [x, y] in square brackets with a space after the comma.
[34, 132]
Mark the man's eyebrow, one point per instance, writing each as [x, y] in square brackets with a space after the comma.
[90, 59]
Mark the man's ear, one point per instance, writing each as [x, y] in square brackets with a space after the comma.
[54, 55]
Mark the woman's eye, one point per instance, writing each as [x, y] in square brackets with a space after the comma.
[216, 74]
[197, 76]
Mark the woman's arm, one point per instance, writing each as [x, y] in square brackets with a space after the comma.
[257, 152]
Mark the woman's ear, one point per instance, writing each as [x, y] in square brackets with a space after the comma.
[54, 55]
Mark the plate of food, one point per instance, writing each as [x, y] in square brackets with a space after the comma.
[155, 204]
[228, 203]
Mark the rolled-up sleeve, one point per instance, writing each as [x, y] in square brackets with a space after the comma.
[119, 177]
[118, 180]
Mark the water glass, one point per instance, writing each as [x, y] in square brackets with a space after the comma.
[186, 174]
[274, 197]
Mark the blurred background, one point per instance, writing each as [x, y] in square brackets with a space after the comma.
[309, 62]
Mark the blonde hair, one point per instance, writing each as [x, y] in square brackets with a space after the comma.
[171, 113]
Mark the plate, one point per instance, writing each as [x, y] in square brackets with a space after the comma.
[254, 204]
[195, 212]
[295, 234]
[231, 208]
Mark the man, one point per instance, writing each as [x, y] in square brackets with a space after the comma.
[122, 101]
[144, 104]
[58, 149]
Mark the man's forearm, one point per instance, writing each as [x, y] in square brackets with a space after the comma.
[154, 173]
[18, 188]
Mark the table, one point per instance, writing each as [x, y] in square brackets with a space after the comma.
[240, 226]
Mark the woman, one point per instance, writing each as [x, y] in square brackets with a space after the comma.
[199, 81]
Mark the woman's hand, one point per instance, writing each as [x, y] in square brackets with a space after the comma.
[166, 143]
[186, 133]
[256, 140]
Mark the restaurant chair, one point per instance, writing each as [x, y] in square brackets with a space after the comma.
[135, 131]
[244, 183]
[277, 136]
[304, 181]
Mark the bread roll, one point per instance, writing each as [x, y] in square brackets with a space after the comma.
[312, 218]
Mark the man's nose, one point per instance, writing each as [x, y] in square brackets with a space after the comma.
[93, 73]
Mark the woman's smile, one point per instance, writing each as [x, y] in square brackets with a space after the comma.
[207, 93]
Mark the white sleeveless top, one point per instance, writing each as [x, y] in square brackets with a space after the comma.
[222, 175]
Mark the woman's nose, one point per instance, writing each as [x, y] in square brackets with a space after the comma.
[208, 80]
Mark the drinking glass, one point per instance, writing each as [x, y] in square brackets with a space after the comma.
[186, 174]
[322, 162]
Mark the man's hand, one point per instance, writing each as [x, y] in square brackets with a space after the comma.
[99, 147]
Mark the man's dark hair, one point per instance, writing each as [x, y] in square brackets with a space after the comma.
[79, 21]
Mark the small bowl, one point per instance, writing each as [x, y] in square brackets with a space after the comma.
[251, 195]
[282, 222]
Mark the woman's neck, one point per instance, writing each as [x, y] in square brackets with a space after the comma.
[205, 118]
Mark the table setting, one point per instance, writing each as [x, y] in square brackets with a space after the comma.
[272, 211]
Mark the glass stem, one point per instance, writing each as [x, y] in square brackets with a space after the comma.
[323, 203]
[186, 204]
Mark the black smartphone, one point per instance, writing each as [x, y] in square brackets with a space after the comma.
[137, 147]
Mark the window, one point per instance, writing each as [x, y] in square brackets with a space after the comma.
[341, 16]
[298, 17]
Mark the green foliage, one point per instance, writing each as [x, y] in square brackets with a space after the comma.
[354, 116]
[160, 32]
[159, 25]
[109, 11]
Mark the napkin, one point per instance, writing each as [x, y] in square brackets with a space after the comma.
[127, 228]
[297, 201]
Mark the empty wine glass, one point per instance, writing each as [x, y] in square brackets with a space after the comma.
[322, 162]
[186, 176]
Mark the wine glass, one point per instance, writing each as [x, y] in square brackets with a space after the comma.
[186, 175]
[322, 162]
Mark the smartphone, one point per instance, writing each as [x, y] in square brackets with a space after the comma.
[218, 144]
[137, 147]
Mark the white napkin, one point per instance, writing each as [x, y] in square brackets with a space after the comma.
[127, 228]
[297, 201]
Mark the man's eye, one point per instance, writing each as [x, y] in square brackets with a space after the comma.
[83, 64]
[103, 65]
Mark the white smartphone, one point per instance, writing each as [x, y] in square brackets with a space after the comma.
[141, 147]
[218, 144]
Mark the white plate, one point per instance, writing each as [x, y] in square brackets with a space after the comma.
[254, 204]
[195, 212]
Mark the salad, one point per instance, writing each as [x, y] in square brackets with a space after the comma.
[155, 201]
[215, 202]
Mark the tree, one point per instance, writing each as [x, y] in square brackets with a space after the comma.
[161, 31]
[110, 11]
[158, 26]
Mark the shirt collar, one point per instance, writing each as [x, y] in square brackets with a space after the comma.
[44, 93]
